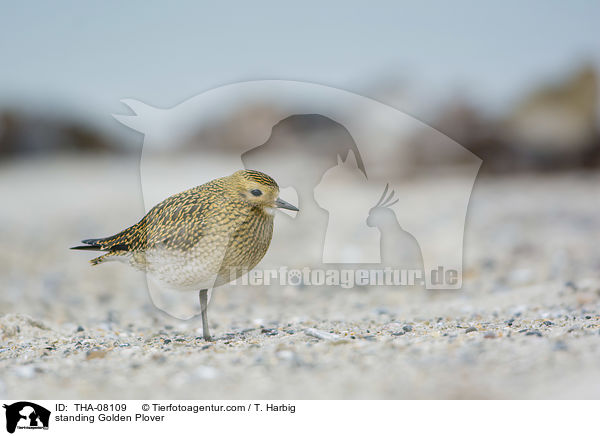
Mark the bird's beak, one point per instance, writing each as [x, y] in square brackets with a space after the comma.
[285, 205]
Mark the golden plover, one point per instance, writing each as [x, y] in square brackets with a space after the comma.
[200, 238]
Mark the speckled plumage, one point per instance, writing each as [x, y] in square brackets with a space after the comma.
[198, 237]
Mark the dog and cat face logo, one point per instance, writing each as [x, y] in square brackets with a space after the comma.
[26, 415]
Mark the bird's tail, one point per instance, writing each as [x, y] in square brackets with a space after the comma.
[100, 244]
[92, 245]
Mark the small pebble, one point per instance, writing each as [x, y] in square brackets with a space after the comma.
[521, 276]
[286, 355]
[560, 346]
[471, 329]
[26, 371]
[320, 334]
[95, 354]
[206, 373]
[534, 332]
[269, 332]
[407, 328]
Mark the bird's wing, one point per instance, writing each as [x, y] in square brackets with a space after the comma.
[174, 224]
[177, 221]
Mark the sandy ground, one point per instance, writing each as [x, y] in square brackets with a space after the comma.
[526, 324]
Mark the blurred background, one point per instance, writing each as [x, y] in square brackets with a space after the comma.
[515, 83]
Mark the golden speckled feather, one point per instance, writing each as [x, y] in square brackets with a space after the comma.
[203, 237]
[192, 221]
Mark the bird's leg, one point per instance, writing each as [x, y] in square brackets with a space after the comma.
[203, 307]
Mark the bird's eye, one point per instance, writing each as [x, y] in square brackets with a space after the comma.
[256, 192]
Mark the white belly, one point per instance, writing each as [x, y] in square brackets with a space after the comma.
[184, 270]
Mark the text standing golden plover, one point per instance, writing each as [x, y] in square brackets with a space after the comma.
[200, 238]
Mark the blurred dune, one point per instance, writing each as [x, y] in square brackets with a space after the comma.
[554, 126]
[32, 134]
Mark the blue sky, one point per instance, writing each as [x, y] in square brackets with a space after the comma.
[84, 57]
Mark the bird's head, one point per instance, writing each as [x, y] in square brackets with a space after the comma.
[259, 189]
